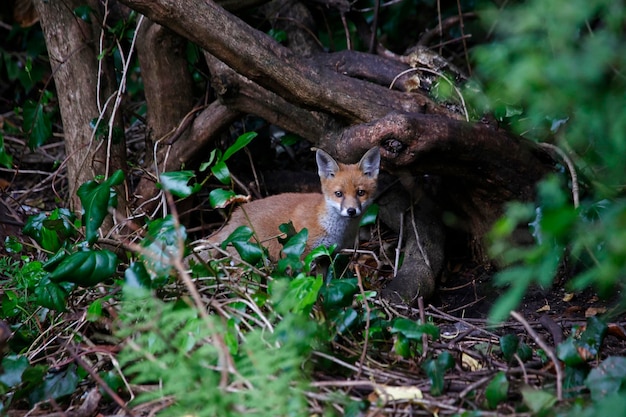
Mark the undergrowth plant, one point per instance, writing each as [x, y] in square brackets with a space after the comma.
[556, 72]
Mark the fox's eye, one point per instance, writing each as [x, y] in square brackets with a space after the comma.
[360, 193]
[338, 194]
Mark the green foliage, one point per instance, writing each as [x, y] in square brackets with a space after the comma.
[266, 368]
[556, 72]
[435, 370]
[96, 198]
[497, 390]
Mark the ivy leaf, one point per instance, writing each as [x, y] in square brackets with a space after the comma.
[249, 251]
[13, 366]
[241, 142]
[220, 198]
[435, 369]
[37, 124]
[296, 245]
[509, 344]
[176, 182]
[5, 159]
[52, 295]
[608, 378]
[302, 293]
[136, 276]
[96, 198]
[56, 385]
[412, 329]
[538, 401]
[162, 243]
[221, 172]
[86, 268]
[339, 293]
[370, 215]
[497, 390]
[51, 230]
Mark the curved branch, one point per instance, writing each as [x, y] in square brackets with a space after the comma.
[262, 60]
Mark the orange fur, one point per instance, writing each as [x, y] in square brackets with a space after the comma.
[330, 218]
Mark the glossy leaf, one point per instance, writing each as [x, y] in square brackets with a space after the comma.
[220, 198]
[13, 366]
[370, 215]
[249, 251]
[508, 345]
[608, 378]
[241, 142]
[412, 329]
[339, 292]
[52, 295]
[497, 390]
[51, 230]
[163, 242]
[296, 244]
[96, 198]
[221, 172]
[56, 385]
[6, 160]
[435, 370]
[344, 319]
[538, 401]
[86, 268]
[37, 124]
[302, 293]
[177, 183]
[136, 276]
[402, 346]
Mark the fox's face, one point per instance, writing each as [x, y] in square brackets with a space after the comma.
[349, 189]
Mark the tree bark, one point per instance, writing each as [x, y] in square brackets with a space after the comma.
[82, 91]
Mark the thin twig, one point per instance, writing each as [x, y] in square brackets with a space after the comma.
[543, 345]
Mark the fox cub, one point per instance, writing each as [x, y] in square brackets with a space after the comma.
[331, 217]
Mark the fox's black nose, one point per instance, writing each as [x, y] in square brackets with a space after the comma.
[351, 212]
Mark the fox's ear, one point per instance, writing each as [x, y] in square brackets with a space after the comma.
[326, 165]
[370, 163]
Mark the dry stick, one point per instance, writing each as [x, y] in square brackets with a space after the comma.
[417, 240]
[368, 311]
[100, 381]
[571, 168]
[398, 246]
[420, 305]
[557, 364]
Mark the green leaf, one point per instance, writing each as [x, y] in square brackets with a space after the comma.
[84, 13]
[240, 234]
[509, 344]
[435, 370]
[296, 244]
[302, 293]
[339, 293]
[86, 268]
[52, 295]
[538, 400]
[241, 142]
[221, 172]
[220, 198]
[215, 154]
[567, 351]
[402, 346]
[5, 159]
[413, 330]
[344, 319]
[176, 182]
[96, 198]
[136, 276]
[13, 366]
[370, 215]
[37, 124]
[249, 251]
[497, 390]
[56, 385]
[608, 378]
[51, 230]
[12, 244]
[164, 242]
